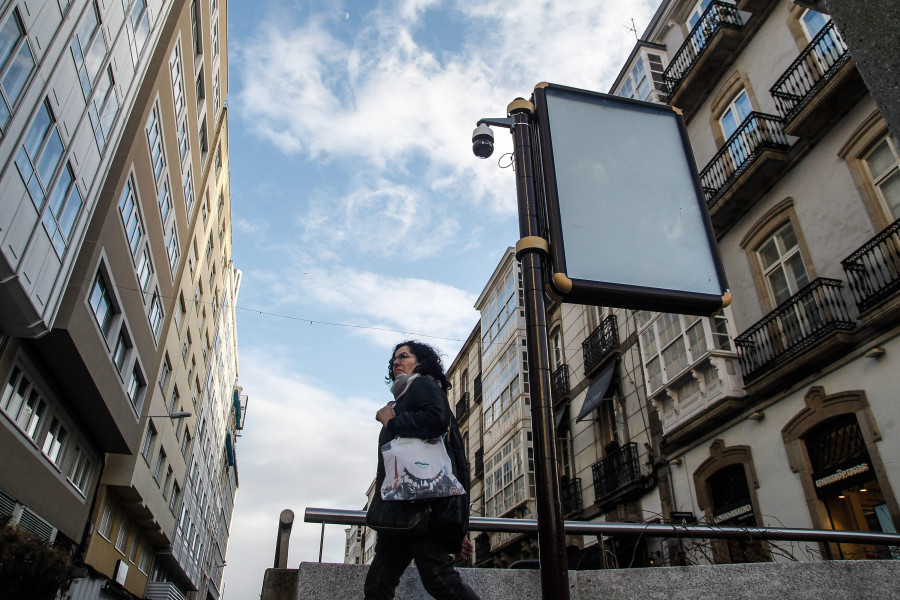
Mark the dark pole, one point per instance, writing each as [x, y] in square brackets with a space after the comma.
[529, 249]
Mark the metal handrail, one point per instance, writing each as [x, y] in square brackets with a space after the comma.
[336, 516]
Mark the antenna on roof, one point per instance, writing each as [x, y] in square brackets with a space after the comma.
[632, 29]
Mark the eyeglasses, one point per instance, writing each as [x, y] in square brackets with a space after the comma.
[402, 356]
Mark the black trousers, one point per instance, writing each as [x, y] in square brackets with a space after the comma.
[392, 556]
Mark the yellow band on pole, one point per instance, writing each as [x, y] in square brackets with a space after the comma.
[532, 242]
[519, 104]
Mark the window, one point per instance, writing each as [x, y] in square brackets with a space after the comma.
[185, 443]
[144, 270]
[131, 220]
[502, 388]
[180, 311]
[106, 518]
[186, 348]
[177, 73]
[204, 141]
[173, 501]
[62, 210]
[155, 142]
[41, 154]
[172, 250]
[89, 49]
[104, 108]
[173, 400]
[196, 31]
[813, 22]
[156, 313]
[183, 140]
[139, 28]
[101, 304]
[16, 65]
[146, 555]
[164, 372]
[214, 38]
[120, 353]
[55, 442]
[122, 538]
[160, 461]
[149, 441]
[218, 160]
[782, 263]
[80, 471]
[188, 187]
[883, 166]
[505, 481]
[200, 89]
[164, 200]
[22, 403]
[135, 388]
[734, 115]
[168, 482]
[671, 343]
[217, 93]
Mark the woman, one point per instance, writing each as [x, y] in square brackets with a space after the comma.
[421, 410]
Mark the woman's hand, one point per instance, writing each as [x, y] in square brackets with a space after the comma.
[385, 414]
[467, 548]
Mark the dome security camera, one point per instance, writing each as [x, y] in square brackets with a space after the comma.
[483, 141]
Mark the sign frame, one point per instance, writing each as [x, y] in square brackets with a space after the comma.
[565, 282]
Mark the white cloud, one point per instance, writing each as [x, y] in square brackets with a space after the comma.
[303, 446]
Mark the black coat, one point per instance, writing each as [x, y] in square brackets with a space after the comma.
[424, 412]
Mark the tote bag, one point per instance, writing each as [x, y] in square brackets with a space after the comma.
[417, 469]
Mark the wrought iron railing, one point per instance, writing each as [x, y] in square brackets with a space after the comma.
[716, 16]
[571, 496]
[756, 133]
[617, 469]
[559, 382]
[482, 546]
[800, 321]
[479, 463]
[597, 346]
[462, 406]
[476, 389]
[818, 62]
[873, 271]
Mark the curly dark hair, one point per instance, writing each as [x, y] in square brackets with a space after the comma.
[430, 362]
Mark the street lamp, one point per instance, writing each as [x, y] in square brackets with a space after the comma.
[180, 414]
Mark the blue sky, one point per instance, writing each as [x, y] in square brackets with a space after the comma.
[359, 213]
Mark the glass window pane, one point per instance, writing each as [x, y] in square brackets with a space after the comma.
[18, 73]
[779, 284]
[881, 159]
[890, 189]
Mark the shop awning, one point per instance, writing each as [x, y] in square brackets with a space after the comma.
[236, 402]
[597, 390]
[229, 448]
[559, 414]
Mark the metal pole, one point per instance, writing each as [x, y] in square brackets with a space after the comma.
[285, 523]
[531, 246]
[321, 541]
[337, 516]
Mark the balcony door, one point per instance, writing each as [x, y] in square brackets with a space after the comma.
[829, 48]
[883, 164]
[734, 115]
[785, 275]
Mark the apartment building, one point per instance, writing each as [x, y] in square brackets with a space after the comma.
[778, 410]
[118, 289]
[786, 420]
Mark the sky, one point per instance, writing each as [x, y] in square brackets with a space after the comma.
[361, 218]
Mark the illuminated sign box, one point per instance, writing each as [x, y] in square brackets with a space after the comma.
[627, 216]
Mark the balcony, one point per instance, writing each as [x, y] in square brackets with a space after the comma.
[559, 383]
[571, 496]
[818, 87]
[163, 590]
[462, 407]
[796, 337]
[617, 474]
[744, 169]
[478, 470]
[600, 345]
[873, 272]
[711, 46]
